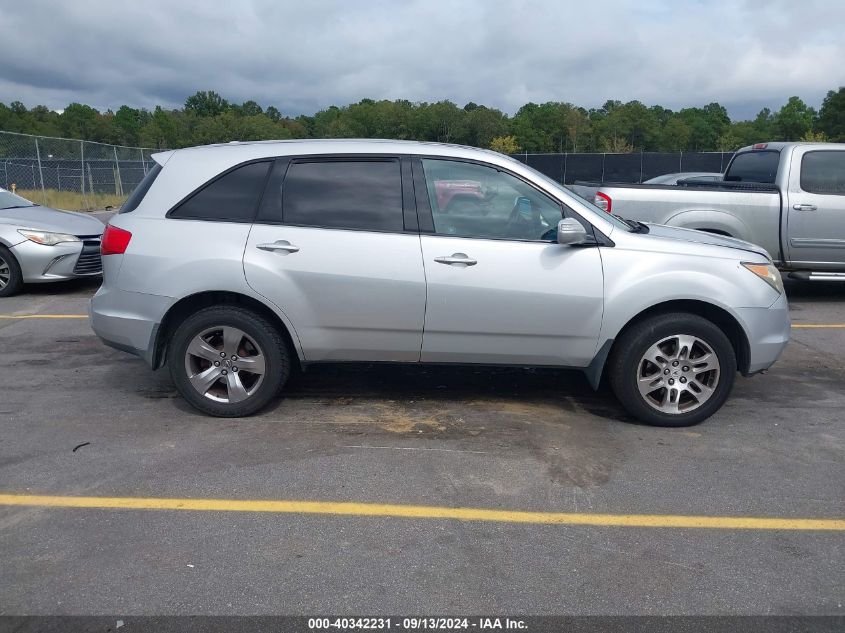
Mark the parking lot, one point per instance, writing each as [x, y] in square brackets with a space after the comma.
[384, 489]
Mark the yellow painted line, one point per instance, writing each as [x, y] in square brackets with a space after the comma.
[43, 316]
[818, 326]
[425, 512]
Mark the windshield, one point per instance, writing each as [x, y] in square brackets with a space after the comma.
[756, 166]
[613, 219]
[8, 200]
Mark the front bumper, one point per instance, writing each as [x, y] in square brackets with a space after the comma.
[128, 321]
[768, 333]
[67, 260]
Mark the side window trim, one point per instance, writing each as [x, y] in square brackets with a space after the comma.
[424, 211]
[280, 171]
[424, 215]
[210, 182]
[801, 172]
[270, 206]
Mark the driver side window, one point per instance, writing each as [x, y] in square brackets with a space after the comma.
[469, 200]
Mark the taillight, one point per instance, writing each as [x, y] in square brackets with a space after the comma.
[760, 145]
[114, 241]
[603, 201]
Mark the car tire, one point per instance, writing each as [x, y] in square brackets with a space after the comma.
[661, 384]
[11, 277]
[228, 361]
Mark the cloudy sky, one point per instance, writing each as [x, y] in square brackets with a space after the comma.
[307, 54]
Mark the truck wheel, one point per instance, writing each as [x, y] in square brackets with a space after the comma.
[672, 369]
[228, 361]
[11, 278]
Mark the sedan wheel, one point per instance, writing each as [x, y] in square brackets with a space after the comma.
[11, 279]
[5, 273]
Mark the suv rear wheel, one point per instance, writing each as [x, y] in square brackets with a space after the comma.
[673, 369]
[228, 361]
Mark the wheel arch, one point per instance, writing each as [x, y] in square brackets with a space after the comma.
[710, 221]
[192, 303]
[717, 315]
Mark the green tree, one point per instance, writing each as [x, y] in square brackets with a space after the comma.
[206, 103]
[675, 135]
[832, 116]
[794, 120]
[504, 144]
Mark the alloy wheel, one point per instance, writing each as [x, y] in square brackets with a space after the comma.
[225, 364]
[678, 374]
[5, 273]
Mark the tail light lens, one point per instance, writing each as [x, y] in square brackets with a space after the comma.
[114, 241]
[603, 201]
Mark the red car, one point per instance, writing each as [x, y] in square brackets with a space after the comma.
[458, 195]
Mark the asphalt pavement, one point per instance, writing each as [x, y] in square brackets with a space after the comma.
[78, 419]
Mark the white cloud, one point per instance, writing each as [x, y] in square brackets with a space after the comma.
[304, 55]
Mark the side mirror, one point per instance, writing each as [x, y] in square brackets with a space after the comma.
[570, 231]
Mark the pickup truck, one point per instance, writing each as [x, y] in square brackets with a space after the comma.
[788, 198]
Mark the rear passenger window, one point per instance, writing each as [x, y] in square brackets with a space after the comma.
[823, 172]
[344, 194]
[233, 197]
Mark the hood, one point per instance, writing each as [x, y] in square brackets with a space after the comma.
[702, 237]
[52, 220]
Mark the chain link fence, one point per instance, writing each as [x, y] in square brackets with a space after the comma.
[82, 174]
[86, 175]
[633, 167]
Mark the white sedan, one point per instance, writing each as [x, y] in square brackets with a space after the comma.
[39, 244]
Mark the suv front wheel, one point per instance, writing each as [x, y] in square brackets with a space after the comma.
[228, 361]
[672, 369]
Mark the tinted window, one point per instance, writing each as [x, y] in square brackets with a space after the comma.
[344, 194]
[141, 190]
[231, 197]
[470, 200]
[754, 167]
[823, 172]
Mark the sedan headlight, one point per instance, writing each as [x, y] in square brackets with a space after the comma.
[47, 239]
[768, 273]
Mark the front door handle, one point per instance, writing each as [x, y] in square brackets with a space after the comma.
[804, 207]
[281, 245]
[456, 259]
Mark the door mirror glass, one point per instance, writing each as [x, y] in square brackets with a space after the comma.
[571, 231]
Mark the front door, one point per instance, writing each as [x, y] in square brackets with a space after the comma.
[331, 249]
[500, 289]
[816, 208]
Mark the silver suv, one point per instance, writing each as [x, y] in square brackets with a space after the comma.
[233, 263]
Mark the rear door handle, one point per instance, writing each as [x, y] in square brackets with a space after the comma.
[456, 259]
[281, 245]
[804, 207]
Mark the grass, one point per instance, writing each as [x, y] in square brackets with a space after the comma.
[71, 200]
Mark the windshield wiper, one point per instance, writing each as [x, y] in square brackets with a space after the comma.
[635, 225]
[19, 206]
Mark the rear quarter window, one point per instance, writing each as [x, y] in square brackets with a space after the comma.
[823, 172]
[141, 190]
[230, 197]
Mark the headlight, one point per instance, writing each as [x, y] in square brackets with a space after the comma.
[768, 273]
[47, 239]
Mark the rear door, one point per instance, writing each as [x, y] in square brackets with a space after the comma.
[336, 247]
[816, 208]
